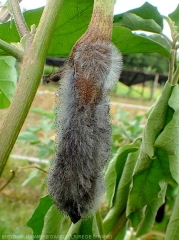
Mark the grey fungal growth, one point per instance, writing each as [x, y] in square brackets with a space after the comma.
[83, 140]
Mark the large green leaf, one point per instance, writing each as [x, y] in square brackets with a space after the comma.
[87, 229]
[120, 200]
[8, 79]
[148, 190]
[175, 17]
[73, 21]
[168, 140]
[52, 224]
[149, 214]
[174, 98]
[115, 169]
[160, 39]
[156, 120]
[146, 11]
[134, 22]
[8, 31]
[122, 233]
[36, 222]
[129, 42]
[28, 136]
[43, 112]
[73, 230]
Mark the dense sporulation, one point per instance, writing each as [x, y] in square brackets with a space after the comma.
[83, 128]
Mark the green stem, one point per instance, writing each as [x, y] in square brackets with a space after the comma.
[176, 76]
[176, 39]
[100, 27]
[120, 223]
[152, 234]
[171, 65]
[18, 18]
[74, 229]
[13, 172]
[177, 46]
[21, 23]
[99, 223]
[12, 50]
[172, 228]
[167, 38]
[29, 79]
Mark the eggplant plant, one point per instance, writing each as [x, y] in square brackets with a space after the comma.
[140, 176]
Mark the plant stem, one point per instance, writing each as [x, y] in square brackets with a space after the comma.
[102, 18]
[120, 223]
[167, 38]
[12, 50]
[5, 14]
[13, 172]
[18, 18]
[100, 27]
[29, 79]
[153, 233]
[20, 23]
[176, 76]
[177, 46]
[172, 231]
[19, 168]
[176, 39]
[99, 222]
[171, 65]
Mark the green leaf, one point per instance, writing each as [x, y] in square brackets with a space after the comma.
[99, 222]
[164, 162]
[52, 224]
[174, 16]
[174, 98]
[129, 43]
[46, 124]
[148, 190]
[146, 11]
[156, 120]
[46, 150]
[73, 230]
[168, 140]
[73, 21]
[74, 18]
[145, 188]
[115, 169]
[150, 212]
[160, 39]
[8, 79]
[122, 233]
[8, 31]
[122, 191]
[172, 232]
[31, 176]
[134, 23]
[36, 222]
[43, 112]
[84, 229]
[34, 129]
[28, 136]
